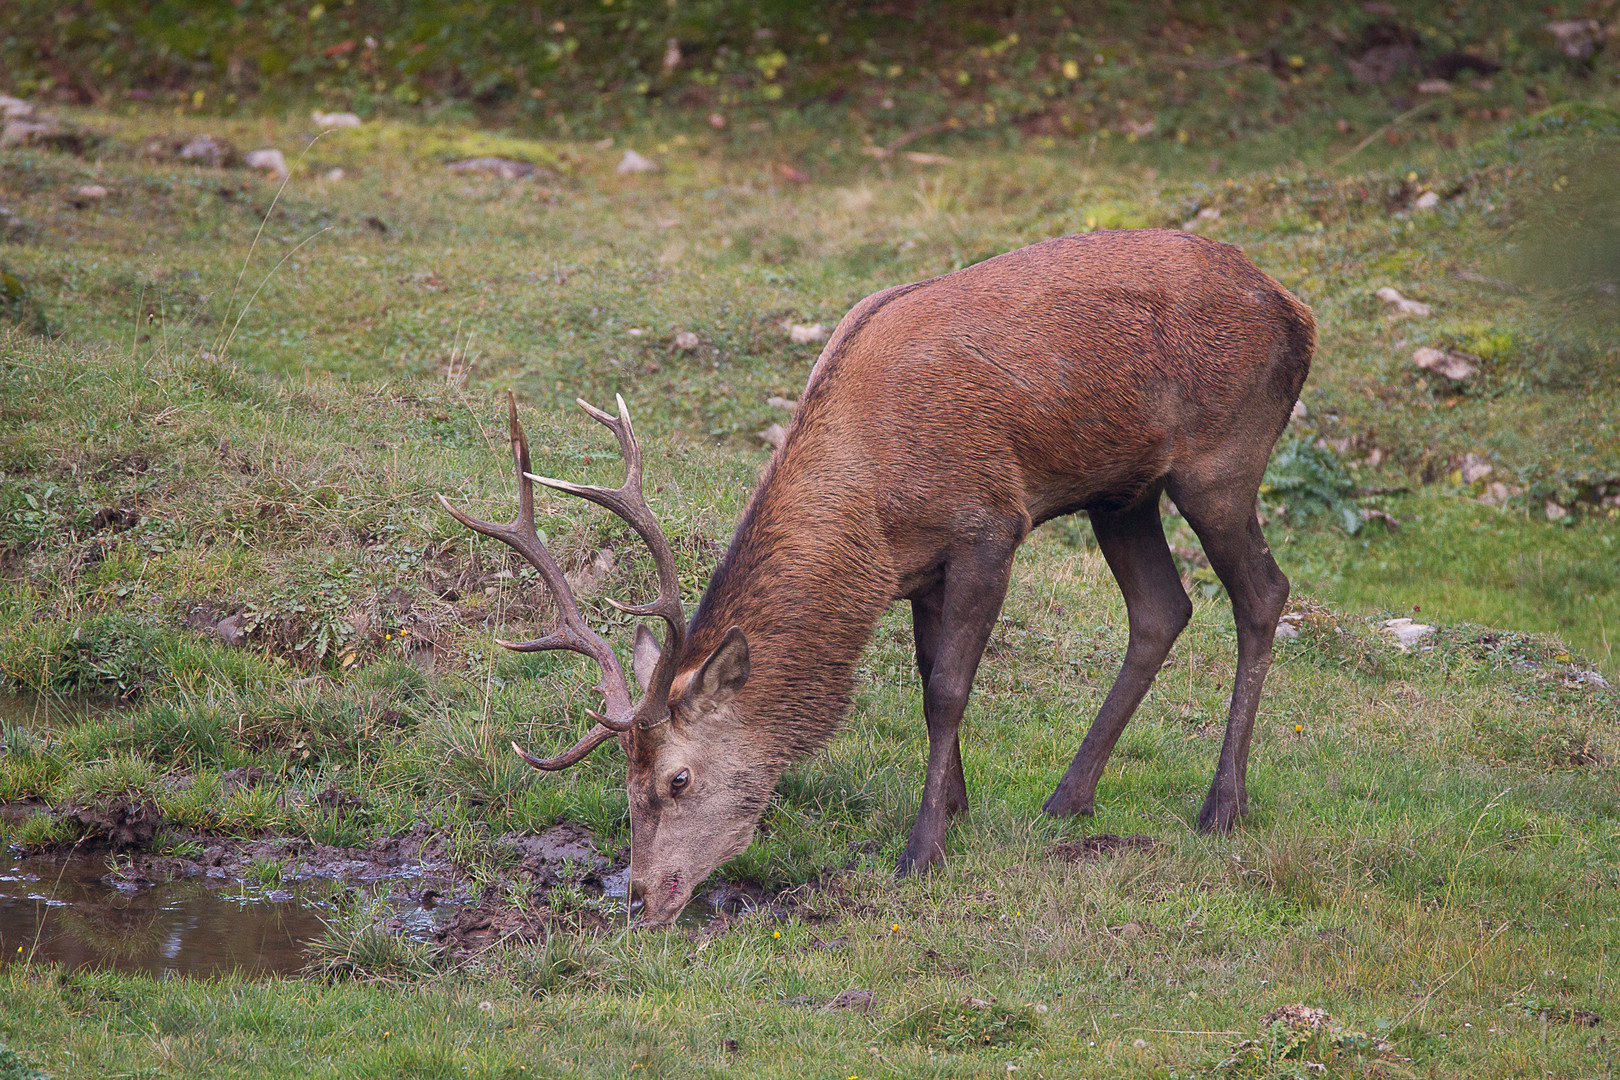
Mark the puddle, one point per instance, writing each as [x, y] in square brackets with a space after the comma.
[39, 711]
[62, 911]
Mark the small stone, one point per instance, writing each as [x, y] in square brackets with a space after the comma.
[1298, 412]
[774, 435]
[918, 158]
[15, 108]
[782, 403]
[860, 1000]
[1426, 201]
[633, 162]
[207, 150]
[1434, 86]
[270, 161]
[1208, 213]
[332, 176]
[717, 121]
[672, 55]
[1400, 304]
[25, 132]
[1296, 1017]
[802, 334]
[1406, 632]
[1577, 39]
[1556, 512]
[1474, 468]
[230, 630]
[686, 341]
[1287, 631]
[1496, 494]
[86, 194]
[335, 119]
[1454, 366]
[503, 168]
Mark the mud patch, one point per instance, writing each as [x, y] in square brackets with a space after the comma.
[1092, 848]
[122, 824]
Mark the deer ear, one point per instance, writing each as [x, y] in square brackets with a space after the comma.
[645, 656]
[726, 669]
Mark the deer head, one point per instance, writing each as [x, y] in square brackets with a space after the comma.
[694, 802]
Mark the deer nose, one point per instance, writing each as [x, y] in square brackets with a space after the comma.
[637, 897]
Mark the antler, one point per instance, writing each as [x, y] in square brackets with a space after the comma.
[572, 632]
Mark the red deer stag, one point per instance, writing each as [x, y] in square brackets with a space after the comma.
[942, 422]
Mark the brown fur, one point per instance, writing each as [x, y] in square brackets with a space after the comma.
[941, 423]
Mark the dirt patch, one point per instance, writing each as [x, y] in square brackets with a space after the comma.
[1092, 848]
[123, 824]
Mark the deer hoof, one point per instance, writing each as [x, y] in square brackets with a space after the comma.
[1219, 815]
[1060, 804]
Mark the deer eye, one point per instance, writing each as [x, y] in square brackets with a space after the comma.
[678, 783]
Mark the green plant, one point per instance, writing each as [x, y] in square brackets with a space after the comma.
[954, 1022]
[1311, 482]
[14, 1066]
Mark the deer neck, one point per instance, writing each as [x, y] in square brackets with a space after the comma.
[807, 576]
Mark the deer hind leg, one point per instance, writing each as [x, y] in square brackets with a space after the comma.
[1133, 543]
[1230, 532]
[927, 611]
[968, 601]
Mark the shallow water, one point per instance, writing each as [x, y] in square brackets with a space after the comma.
[62, 911]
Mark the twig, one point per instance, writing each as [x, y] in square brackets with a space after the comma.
[1370, 139]
[1437, 986]
[249, 305]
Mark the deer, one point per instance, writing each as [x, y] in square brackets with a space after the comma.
[942, 422]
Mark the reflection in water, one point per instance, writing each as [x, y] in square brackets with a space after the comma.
[61, 911]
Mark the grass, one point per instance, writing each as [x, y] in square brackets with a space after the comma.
[1436, 840]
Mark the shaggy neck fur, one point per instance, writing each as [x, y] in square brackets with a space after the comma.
[807, 577]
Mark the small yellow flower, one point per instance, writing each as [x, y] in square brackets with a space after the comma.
[1071, 70]
[1298, 728]
[895, 928]
[1018, 914]
[777, 935]
[387, 1033]
[388, 637]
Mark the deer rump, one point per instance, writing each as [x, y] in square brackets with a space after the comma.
[941, 423]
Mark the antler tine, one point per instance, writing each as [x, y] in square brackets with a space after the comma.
[629, 503]
[580, 750]
[572, 632]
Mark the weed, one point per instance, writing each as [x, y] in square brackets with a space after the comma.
[952, 1022]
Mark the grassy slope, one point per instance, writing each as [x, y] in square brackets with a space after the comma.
[1433, 849]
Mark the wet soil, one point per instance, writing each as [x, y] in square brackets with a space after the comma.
[255, 905]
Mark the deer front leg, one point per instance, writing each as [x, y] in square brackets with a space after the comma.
[969, 599]
[927, 612]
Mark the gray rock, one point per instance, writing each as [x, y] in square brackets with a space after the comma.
[208, 150]
[269, 160]
[504, 168]
[231, 631]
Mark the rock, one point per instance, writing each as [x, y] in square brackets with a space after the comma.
[1434, 86]
[717, 121]
[782, 403]
[1453, 365]
[231, 631]
[789, 173]
[1556, 512]
[635, 163]
[1401, 305]
[801, 334]
[774, 435]
[270, 161]
[1298, 412]
[26, 132]
[87, 194]
[1296, 1017]
[1577, 39]
[1287, 631]
[1207, 213]
[672, 55]
[918, 158]
[504, 168]
[1474, 468]
[1497, 494]
[1426, 201]
[335, 119]
[208, 150]
[15, 108]
[587, 580]
[1406, 632]
[859, 1000]
[686, 341]
[332, 176]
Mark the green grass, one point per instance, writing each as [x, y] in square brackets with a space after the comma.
[1435, 844]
